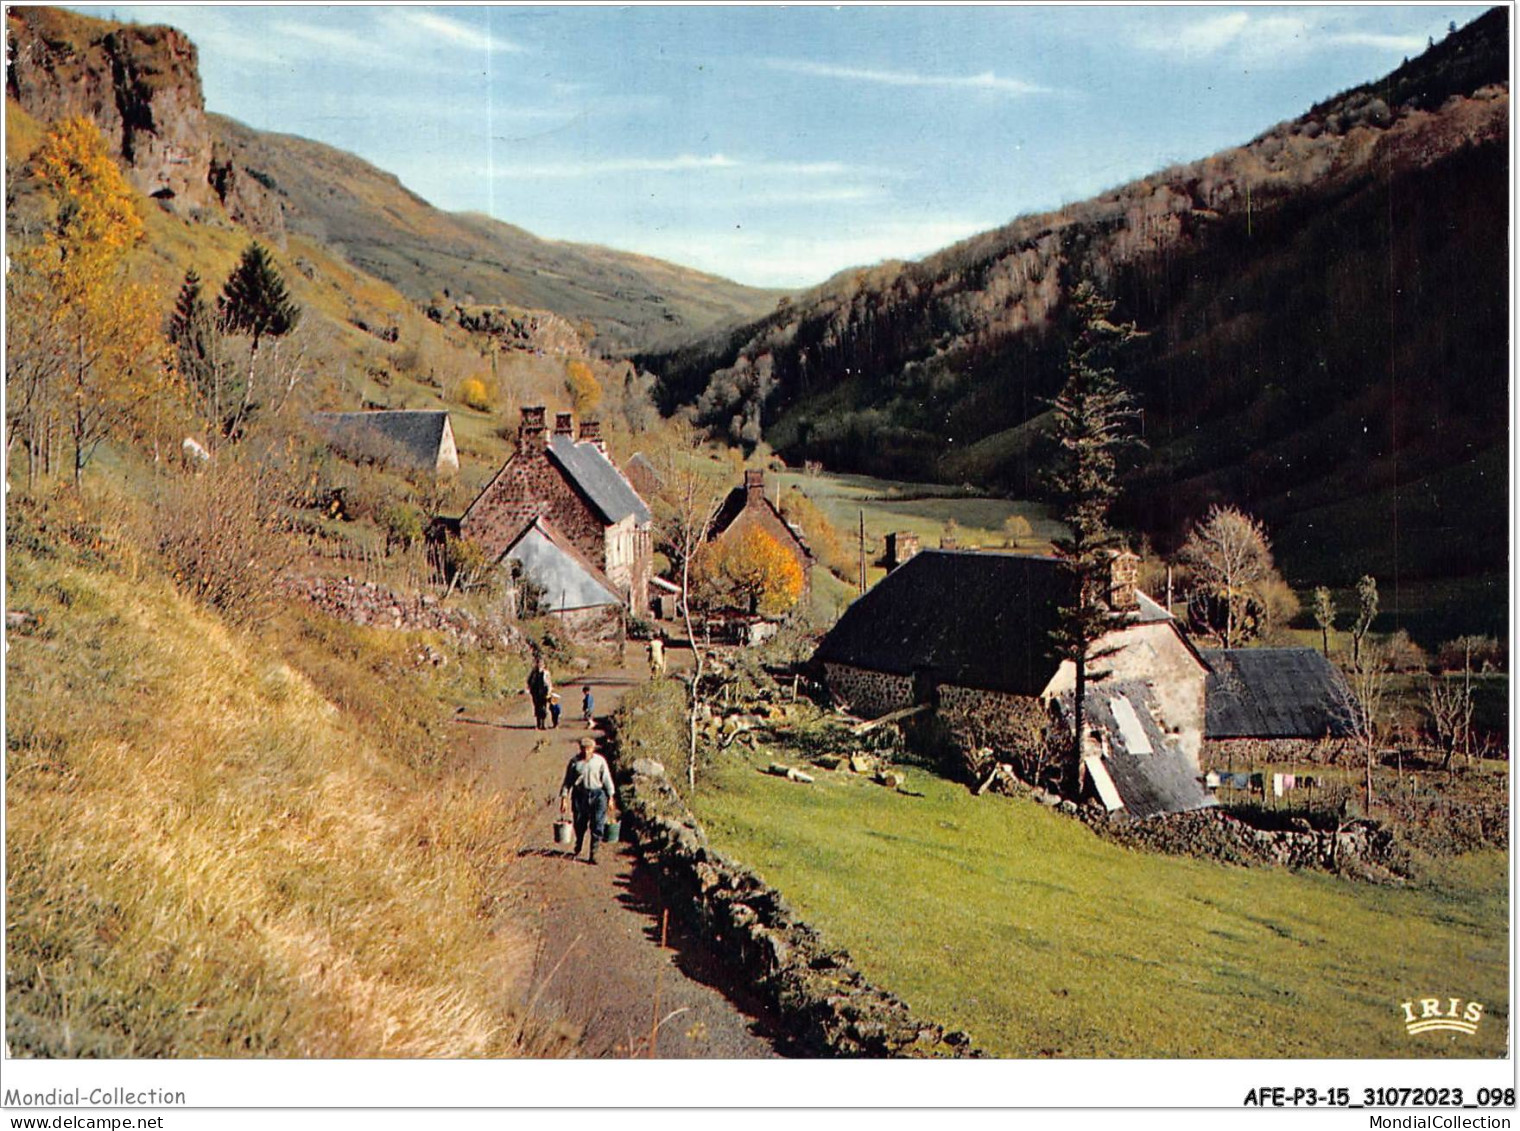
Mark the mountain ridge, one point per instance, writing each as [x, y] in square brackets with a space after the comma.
[141, 85]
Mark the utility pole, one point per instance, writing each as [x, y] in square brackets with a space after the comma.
[862, 582]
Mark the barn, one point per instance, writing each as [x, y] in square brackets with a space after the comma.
[1275, 705]
[398, 437]
[968, 633]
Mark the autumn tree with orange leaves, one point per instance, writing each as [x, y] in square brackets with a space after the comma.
[86, 355]
[750, 570]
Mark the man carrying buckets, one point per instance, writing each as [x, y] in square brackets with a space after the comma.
[587, 788]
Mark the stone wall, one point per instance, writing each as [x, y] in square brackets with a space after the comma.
[365, 603]
[825, 1003]
[1246, 753]
[866, 693]
[1361, 850]
[996, 718]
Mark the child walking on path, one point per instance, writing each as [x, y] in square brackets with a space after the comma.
[554, 709]
[587, 705]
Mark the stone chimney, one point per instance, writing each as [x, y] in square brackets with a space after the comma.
[591, 433]
[530, 432]
[901, 545]
[754, 487]
[1123, 577]
[564, 424]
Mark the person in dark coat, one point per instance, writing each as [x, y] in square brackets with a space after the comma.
[540, 687]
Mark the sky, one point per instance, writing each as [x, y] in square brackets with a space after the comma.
[778, 145]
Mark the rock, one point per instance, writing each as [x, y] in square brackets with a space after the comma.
[800, 776]
[828, 761]
[778, 769]
[649, 767]
[890, 780]
[862, 763]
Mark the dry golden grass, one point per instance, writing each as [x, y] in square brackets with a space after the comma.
[208, 858]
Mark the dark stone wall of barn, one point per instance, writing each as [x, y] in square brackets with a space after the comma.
[1244, 753]
[868, 694]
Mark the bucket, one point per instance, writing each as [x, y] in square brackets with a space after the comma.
[610, 831]
[564, 832]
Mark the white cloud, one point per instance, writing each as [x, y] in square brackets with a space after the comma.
[332, 41]
[1406, 43]
[450, 31]
[1264, 39]
[985, 81]
[1206, 36]
[682, 163]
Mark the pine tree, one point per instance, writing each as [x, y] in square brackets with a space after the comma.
[254, 302]
[1093, 420]
[197, 347]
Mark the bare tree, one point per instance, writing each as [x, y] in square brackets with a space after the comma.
[1324, 616]
[693, 491]
[1369, 688]
[1230, 562]
[1366, 613]
[1450, 704]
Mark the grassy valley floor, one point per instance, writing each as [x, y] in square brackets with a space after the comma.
[1016, 923]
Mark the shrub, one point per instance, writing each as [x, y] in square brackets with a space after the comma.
[1404, 655]
[476, 394]
[222, 535]
[1483, 652]
[402, 525]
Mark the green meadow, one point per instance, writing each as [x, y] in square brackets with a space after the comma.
[1001, 917]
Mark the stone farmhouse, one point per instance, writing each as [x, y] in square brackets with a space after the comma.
[564, 491]
[968, 633]
[1275, 705]
[746, 507]
[400, 437]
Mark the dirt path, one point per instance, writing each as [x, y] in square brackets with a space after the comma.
[600, 965]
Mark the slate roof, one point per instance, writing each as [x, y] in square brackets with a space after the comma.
[639, 465]
[1150, 782]
[413, 435]
[973, 619]
[568, 578]
[1275, 693]
[598, 478]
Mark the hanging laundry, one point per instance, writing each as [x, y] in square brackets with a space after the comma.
[1289, 781]
[1277, 785]
[1211, 779]
[1257, 781]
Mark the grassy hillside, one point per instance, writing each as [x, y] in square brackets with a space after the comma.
[210, 854]
[1041, 939]
[385, 229]
[1327, 319]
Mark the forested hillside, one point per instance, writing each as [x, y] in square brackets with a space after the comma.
[1327, 319]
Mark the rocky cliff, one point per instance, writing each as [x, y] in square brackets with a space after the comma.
[140, 85]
